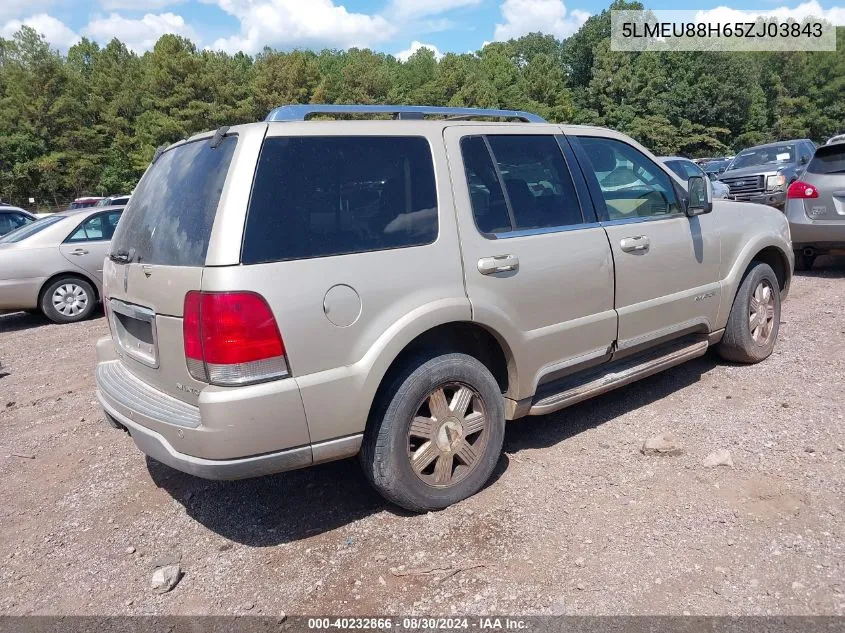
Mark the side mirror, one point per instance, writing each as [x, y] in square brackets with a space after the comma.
[804, 160]
[700, 196]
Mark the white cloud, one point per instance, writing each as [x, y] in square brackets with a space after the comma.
[810, 9]
[138, 5]
[411, 9]
[57, 32]
[544, 16]
[141, 34]
[300, 23]
[17, 8]
[405, 55]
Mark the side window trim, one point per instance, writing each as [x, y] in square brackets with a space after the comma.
[596, 192]
[589, 210]
[593, 187]
[501, 180]
[589, 218]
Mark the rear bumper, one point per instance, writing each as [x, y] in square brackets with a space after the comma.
[774, 199]
[821, 236]
[233, 433]
[152, 444]
[20, 294]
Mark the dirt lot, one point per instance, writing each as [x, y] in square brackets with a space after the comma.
[576, 520]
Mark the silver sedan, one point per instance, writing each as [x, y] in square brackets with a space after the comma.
[55, 264]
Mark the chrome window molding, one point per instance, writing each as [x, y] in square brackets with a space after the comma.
[541, 231]
[638, 220]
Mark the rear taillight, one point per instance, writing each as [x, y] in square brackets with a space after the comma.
[800, 190]
[231, 338]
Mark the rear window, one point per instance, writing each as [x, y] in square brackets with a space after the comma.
[171, 212]
[829, 159]
[317, 196]
[31, 229]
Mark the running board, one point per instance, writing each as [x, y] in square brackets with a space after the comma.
[616, 375]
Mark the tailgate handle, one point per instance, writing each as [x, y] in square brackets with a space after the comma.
[79, 251]
[498, 264]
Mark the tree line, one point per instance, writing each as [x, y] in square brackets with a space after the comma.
[88, 122]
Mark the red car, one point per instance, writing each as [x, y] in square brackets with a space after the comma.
[84, 203]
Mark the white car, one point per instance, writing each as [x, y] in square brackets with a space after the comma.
[685, 168]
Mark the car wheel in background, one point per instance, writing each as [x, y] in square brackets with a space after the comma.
[68, 299]
[436, 432]
[804, 262]
[754, 321]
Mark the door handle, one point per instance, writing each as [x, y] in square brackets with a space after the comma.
[79, 251]
[636, 244]
[497, 264]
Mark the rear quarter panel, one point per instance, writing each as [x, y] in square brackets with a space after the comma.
[24, 270]
[403, 292]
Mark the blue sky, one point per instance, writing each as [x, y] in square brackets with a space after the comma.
[393, 26]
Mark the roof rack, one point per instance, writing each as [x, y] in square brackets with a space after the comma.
[304, 112]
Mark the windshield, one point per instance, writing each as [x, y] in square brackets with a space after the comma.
[30, 229]
[715, 165]
[768, 155]
[171, 212]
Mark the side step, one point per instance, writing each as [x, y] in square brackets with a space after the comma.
[575, 389]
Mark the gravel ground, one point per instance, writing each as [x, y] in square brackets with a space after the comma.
[575, 521]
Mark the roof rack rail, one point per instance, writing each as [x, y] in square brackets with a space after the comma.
[304, 112]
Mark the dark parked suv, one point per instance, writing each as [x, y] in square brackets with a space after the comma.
[762, 174]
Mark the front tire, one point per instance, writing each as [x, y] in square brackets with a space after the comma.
[68, 300]
[754, 321]
[436, 432]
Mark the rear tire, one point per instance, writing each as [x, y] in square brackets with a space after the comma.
[754, 321]
[436, 432]
[68, 300]
[804, 262]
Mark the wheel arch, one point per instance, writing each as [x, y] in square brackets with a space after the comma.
[778, 256]
[778, 261]
[467, 337]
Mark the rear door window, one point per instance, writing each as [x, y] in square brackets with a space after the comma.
[96, 229]
[829, 159]
[169, 218]
[519, 182]
[317, 196]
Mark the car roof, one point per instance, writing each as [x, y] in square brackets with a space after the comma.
[668, 158]
[776, 143]
[88, 211]
[400, 124]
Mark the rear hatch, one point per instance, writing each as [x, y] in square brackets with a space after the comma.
[157, 256]
[826, 172]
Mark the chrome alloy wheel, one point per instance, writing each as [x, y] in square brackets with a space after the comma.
[762, 313]
[70, 299]
[448, 435]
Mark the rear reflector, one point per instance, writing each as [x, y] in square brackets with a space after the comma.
[231, 338]
[801, 190]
